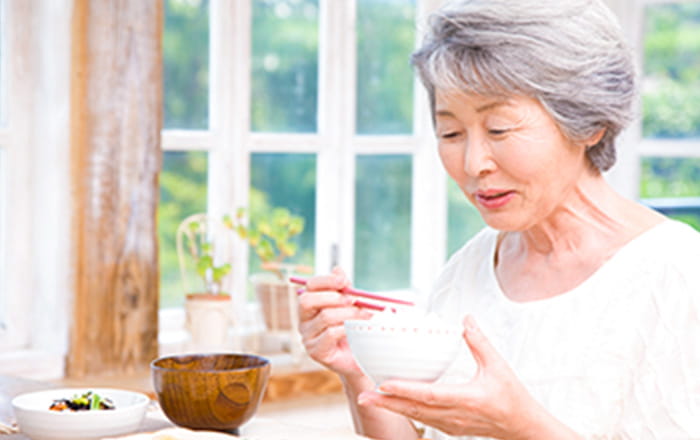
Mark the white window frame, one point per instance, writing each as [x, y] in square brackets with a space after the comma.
[335, 143]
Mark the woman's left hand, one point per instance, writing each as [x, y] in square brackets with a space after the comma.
[494, 403]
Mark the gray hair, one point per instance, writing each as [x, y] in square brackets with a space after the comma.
[570, 55]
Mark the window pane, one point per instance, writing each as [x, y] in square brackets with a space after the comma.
[671, 87]
[183, 192]
[674, 186]
[285, 181]
[383, 222]
[385, 40]
[284, 66]
[186, 64]
[671, 91]
[463, 219]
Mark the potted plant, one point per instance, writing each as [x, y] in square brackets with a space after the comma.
[208, 307]
[271, 236]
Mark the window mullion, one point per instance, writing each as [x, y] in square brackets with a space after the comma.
[186, 140]
[670, 148]
[429, 202]
[335, 166]
[347, 111]
[229, 159]
[286, 143]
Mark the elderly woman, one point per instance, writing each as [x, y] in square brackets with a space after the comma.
[587, 304]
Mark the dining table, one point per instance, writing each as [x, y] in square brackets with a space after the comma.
[258, 428]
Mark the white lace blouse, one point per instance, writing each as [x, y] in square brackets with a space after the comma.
[617, 357]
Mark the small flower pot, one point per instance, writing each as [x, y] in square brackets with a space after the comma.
[207, 320]
[277, 300]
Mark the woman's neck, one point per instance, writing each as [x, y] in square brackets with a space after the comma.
[593, 212]
[568, 246]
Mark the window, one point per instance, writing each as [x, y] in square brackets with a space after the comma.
[186, 65]
[383, 221]
[284, 122]
[284, 71]
[333, 125]
[385, 39]
[184, 176]
[183, 192]
[670, 150]
[285, 179]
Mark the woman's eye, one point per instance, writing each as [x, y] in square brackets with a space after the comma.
[498, 131]
[449, 135]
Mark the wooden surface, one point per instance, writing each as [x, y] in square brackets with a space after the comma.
[116, 111]
[290, 385]
[260, 428]
[285, 385]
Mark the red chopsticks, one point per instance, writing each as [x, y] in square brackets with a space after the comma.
[362, 293]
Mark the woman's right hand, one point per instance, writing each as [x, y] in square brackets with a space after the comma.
[322, 311]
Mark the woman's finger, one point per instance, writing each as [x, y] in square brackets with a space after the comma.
[414, 409]
[329, 317]
[437, 409]
[324, 342]
[311, 303]
[429, 393]
[336, 280]
[331, 349]
[484, 353]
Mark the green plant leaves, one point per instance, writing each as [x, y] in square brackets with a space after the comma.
[270, 234]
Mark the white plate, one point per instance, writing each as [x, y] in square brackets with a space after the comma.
[37, 422]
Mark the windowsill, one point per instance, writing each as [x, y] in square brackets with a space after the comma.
[250, 337]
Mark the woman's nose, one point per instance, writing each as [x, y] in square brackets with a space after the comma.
[478, 159]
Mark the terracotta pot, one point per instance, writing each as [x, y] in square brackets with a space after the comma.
[277, 301]
[207, 319]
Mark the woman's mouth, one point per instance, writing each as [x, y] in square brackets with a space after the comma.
[494, 199]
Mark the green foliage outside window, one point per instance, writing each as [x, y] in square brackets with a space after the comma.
[670, 99]
[183, 192]
[385, 39]
[284, 66]
[286, 181]
[186, 64]
[672, 71]
[383, 221]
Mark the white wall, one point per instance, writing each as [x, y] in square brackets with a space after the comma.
[39, 269]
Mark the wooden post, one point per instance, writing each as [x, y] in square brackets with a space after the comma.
[116, 119]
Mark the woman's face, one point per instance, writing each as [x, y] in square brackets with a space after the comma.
[508, 156]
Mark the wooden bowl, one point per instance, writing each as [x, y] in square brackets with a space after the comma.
[219, 391]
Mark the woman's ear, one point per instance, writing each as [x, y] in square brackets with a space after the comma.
[593, 140]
